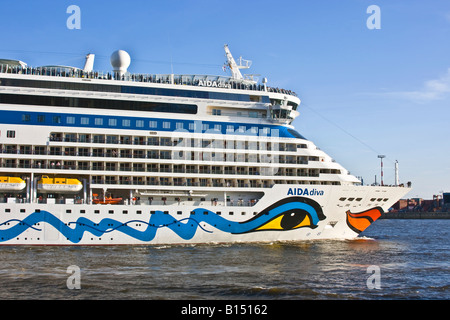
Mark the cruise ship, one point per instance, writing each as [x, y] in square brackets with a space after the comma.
[94, 158]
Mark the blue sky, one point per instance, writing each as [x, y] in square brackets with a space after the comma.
[364, 92]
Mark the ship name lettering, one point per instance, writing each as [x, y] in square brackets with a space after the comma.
[214, 84]
[304, 192]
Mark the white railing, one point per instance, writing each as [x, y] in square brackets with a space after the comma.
[189, 80]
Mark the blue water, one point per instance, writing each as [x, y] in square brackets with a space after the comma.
[412, 257]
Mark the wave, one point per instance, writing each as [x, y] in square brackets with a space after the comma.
[185, 228]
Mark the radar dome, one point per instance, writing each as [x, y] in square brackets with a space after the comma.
[120, 61]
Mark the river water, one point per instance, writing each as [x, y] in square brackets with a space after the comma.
[394, 259]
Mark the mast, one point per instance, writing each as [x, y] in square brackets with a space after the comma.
[234, 67]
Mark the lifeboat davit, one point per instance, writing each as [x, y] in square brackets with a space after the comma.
[12, 184]
[62, 185]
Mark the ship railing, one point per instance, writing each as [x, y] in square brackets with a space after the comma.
[187, 80]
[143, 201]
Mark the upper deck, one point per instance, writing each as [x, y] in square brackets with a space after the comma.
[206, 81]
[275, 104]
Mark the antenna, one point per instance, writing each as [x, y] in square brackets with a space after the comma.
[244, 64]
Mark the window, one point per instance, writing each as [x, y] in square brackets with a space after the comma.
[126, 122]
[84, 120]
[139, 123]
[56, 119]
[98, 121]
[70, 120]
[112, 122]
[11, 134]
[26, 117]
[97, 103]
[153, 124]
[166, 125]
[179, 125]
[295, 134]
[41, 118]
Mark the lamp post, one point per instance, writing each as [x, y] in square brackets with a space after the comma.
[381, 157]
[397, 180]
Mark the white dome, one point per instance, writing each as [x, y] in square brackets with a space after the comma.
[120, 60]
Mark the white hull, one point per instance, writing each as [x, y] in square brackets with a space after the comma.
[60, 187]
[84, 224]
[12, 186]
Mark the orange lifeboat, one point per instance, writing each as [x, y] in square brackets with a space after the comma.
[105, 200]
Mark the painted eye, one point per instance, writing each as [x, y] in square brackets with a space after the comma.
[286, 214]
[293, 219]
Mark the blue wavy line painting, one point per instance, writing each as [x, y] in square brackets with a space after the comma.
[287, 214]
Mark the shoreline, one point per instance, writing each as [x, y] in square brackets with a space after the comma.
[415, 215]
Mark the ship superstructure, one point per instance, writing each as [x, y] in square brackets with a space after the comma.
[120, 158]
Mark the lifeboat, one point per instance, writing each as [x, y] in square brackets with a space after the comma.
[47, 184]
[105, 200]
[12, 184]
